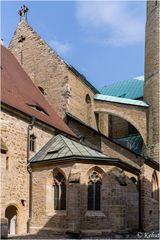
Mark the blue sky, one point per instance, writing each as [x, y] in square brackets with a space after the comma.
[104, 40]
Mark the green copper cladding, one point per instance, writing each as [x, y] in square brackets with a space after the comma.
[120, 100]
[61, 147]
[131, 88]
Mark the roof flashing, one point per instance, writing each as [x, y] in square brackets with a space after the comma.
[120, 100]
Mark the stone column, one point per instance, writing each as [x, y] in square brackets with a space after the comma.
[103, 124]
[73, 207]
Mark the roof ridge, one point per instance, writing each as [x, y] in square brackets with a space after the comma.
[121, 81]
[63, 138]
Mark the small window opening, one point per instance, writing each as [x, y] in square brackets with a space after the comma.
[32, 143]
[97, 120]
[55, 150]
[42, 90]
[88, 99]
[133, 179]
[155, 186]
[7, 163]
[38, 108]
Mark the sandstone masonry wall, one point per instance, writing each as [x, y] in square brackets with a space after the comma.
[150, 206]
[64, 90]
[119, 204]
[46, 69]
[77, 101]
[152, 76]
[16, 186]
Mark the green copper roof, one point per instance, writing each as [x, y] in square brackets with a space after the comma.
[131, 88]
[62, 147]
[120, 100]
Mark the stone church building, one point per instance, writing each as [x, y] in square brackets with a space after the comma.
[75, 160]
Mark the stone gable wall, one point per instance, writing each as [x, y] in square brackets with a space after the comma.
[64, 90]
[42, 64]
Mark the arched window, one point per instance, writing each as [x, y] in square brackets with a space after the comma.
[94, 191]
[155, 186]
[32, 143]
[89, 109]
[88, 99]
[59, 192]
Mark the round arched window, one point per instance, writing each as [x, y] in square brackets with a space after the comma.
[88, 99]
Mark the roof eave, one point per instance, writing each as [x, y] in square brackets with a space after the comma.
[144, 105]
[39, 120]
[107, 161]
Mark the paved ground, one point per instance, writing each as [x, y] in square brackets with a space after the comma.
[140, 235]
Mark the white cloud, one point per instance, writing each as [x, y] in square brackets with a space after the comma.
[121, 21]
[60, 47]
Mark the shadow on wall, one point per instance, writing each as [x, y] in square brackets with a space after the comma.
[110, 210]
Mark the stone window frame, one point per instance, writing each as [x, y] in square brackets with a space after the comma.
[101, 172]
[155, 186]
[88, 99]
[32, 142]
[58, 184]
[50, 211]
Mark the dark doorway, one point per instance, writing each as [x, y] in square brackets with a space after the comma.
[11, 215]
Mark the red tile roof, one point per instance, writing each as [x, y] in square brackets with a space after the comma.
[18, 91]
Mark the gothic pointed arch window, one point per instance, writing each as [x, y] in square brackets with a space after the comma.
[94, 191]
[59, 192]
[155, 186]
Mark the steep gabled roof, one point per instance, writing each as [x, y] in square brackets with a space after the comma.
[25, 24]
[19, 92]
[131, 88]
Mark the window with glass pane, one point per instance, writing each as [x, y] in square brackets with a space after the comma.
[59, 192]
[94, 191]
